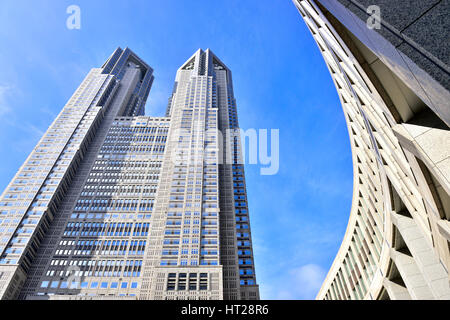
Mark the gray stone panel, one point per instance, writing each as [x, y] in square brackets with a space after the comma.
[399, 14]
[431, 31]
[410, 60]
[386, 33]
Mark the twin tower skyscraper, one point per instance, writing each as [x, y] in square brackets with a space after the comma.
[112, 204]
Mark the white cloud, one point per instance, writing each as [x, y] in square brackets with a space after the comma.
[157, 100]
[301, 283]
[308, 280]
[46, 110]
[4, 106]
[33, 133]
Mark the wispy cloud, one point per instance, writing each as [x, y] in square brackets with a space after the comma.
[29, 134]
[46, 110]
[13, 119]
[302, 283]
[337, 185]
[4, 105]
[157, 100]
[10, 118]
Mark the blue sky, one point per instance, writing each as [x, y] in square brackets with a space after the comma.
[299, 215]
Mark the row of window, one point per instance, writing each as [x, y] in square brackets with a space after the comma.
[86, 285]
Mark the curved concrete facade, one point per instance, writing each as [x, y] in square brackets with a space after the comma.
[396, 245]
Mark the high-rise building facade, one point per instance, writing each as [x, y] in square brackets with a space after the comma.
[112, 204]
[389, 63]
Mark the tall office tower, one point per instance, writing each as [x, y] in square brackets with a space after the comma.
[200, 242]
[107, 206]
[41, 202]
[392, 79]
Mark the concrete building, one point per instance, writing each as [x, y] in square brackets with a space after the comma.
[112, 204]
[389, 63]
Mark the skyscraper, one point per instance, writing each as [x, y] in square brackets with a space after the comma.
[112, 204]
[389, 63]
